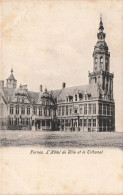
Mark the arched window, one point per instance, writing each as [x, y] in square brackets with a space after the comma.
[101, 59]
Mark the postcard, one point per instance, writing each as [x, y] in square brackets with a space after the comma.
[61, 97]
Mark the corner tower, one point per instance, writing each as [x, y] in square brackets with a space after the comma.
[101, 65]
[11, 82]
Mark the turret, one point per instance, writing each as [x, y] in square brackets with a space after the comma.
[11, 82]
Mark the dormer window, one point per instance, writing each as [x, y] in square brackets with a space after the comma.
[75, 97]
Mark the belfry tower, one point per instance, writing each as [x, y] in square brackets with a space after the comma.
[101, 66]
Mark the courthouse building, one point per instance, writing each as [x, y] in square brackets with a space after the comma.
[88, 107]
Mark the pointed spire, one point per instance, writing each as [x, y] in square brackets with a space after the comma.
[11, 70]
[101, 28]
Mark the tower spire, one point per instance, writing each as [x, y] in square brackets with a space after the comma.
[101, 28]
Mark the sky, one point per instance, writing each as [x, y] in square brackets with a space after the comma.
[50, 42]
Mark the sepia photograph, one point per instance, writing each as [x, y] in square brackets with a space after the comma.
[61, 82]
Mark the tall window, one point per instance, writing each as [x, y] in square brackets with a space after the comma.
[95, 60]
[89, 109]
[66, 110]
[94, 122]
[23, 121]
[17, 121]
[62, 110]
[35, 110]
[28, 121]
[40, 112]
[59, 111]
[85, 108]
[23, 110]
[2, 109]
[28, 110]
[70, 111]
[11, 121]
[85, 122]
[100, 108]
[108, 109]
[17, 109]
[11, 109]
[75, 97]
[80, 122]
[104, 109]
[94, 108]
[89, 122]
[45, 112]
[101, 59]
[112, 110]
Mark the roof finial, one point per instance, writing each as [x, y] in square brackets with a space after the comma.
[100, 17]
[11, 70]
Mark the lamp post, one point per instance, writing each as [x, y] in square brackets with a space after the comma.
[78, 121]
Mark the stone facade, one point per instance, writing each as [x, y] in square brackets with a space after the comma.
[83, 108]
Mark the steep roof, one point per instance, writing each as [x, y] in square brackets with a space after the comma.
[8, 92]
[33, 96]
[11, 77]
[70, 91]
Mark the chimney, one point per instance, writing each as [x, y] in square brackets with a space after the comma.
[1, 83]
[63, 85]
[41, 88]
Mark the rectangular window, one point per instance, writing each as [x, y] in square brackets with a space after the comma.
[104, 109]
[11, 109]
[62, 110]
[70, 111]
[85, 122]
[66, 110]
[17, 109]
[23, 121]
[59, 111]
[94, 122]
[85, 108]
[28, 110]
[94, 108]
[35, 111]
[89, 122]
[89, 109]
[112, 110]
[17, 121]
[100, 108]
[108, 109]
[80, 122]
[23, 110]
[11, 121]
[40, 112]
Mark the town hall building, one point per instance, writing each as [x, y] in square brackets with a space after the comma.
[88, 107]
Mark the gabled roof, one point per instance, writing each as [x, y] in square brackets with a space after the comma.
[70, 91]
